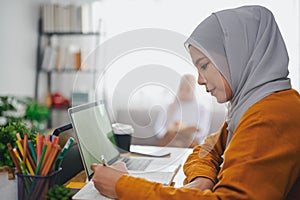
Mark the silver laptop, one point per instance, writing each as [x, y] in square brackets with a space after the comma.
[93, 130]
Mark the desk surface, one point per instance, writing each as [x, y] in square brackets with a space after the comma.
[8, 188]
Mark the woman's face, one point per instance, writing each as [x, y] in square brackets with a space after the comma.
[210, 77]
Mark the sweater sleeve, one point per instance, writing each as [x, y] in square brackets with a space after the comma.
[129, 187]
[206, 159]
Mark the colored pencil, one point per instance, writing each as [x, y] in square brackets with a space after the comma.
[14, 158]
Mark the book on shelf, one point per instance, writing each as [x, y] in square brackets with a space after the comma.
[66, 25]
[49, 58]
[47, 13]
[75, 18]
[86, 18]
[61, 61]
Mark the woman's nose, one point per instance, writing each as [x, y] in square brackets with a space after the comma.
[201, 80]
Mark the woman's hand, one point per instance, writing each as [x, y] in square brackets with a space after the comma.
[106, 177]
[201, 183]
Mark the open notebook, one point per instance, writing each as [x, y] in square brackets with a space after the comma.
[93, 130]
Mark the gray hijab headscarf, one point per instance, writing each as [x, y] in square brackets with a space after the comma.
[247, 48]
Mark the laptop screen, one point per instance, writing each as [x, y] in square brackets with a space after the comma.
[93, 130]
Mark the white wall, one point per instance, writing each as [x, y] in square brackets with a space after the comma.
[18, 39]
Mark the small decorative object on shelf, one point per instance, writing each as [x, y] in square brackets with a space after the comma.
[59, 101]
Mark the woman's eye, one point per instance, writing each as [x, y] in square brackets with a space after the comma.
[204, 66]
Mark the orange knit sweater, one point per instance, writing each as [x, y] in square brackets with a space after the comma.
[261, 162]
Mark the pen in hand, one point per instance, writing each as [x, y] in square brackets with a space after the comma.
[104, 163]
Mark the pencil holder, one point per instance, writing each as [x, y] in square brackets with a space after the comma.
[32, 187]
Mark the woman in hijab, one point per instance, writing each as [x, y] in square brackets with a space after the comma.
[241, 59]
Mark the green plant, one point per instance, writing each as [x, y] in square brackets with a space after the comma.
[5, 104]
[57, 192]
[24, 109]
[36, 111]
[8, 135]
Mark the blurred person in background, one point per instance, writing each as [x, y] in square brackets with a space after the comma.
[185, 123]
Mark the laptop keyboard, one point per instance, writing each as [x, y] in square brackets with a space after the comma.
[136, 164]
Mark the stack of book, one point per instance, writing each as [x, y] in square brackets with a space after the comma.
[69, 18]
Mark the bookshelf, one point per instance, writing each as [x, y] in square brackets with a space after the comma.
[54, 59]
